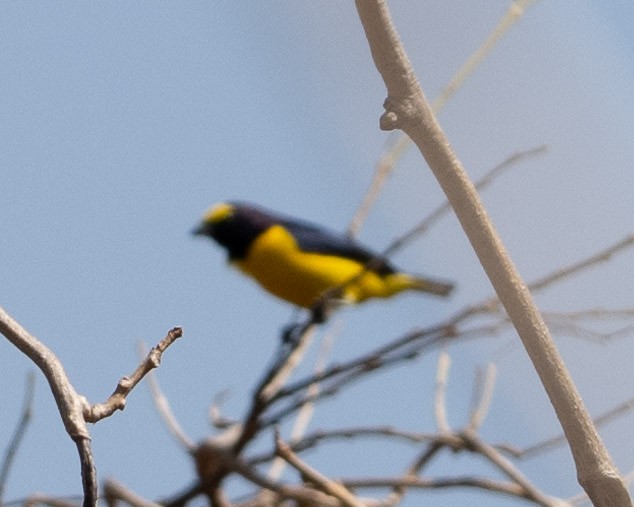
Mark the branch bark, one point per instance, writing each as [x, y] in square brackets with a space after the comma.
[407, 109]
[74, 409]
[69, 404]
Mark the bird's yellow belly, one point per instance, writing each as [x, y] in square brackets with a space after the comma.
[276, 262]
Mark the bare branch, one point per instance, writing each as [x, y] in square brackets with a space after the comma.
[20, 430]
[291, 351]
[50, 501]
[324, 436]
[400, 144]
[417, 466]
[74, 409]
[550, 443]
[440, 405]
[216, 418]
[476, 444]
[508, 488]
[70, 405]
[465, 440]
[515, 12]
[582, 498]
[442, 210]
[302, 494]
[312, 476]
[88, 471]
[482, 398]
[602, 256]
[114, 492]
[371, 360]
[595, 314]
[181, 499]
[406, 108]
[384, 168]
[307, 410]
[163, 408]
[405, 348]
[576, 323]
[117, 399]
[492, 305]
[285, 370]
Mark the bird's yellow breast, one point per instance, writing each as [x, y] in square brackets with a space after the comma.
[276, 262]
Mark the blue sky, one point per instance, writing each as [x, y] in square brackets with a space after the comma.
[122, 122]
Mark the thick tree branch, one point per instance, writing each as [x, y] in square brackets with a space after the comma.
[407, 109]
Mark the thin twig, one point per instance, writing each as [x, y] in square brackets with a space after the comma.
[482, 398]
[273, 380]
[184, 497]
[443, 209]
[305, 495]
[324, 436]
[117, 399]
[440, 402]
[508, 488]
[492, 304]
[384, 168]
[595, 314]
[286, 369]
[307, 410]
[217, 420]
[370, 360]
[425, 457]
[49, 501]
[20, 430]
[401, 142]
[114, 491]
[476, 444]
[574, 323]
[514, 13]
[602, 256]
[427, 222]
[314, 477]
[161, 403]
[550, 443]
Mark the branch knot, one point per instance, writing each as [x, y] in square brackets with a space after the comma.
[398, 112]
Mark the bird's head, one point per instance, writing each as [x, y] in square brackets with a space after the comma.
[213, 219]
[233, 226]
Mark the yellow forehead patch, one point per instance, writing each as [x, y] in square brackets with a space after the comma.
[218, 213]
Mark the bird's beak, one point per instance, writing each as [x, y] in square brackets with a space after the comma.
[200, 230]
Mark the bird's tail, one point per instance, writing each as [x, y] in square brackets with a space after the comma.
[436, 287]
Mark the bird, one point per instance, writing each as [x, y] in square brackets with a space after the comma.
[300, 262]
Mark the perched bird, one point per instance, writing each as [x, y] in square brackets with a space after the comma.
[299, 261]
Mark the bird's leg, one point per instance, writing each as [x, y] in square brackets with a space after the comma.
[323, 308]
[293, 330]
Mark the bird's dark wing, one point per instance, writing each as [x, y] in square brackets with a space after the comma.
[315, 239]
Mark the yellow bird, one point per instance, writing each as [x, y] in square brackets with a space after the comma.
[299, 261]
